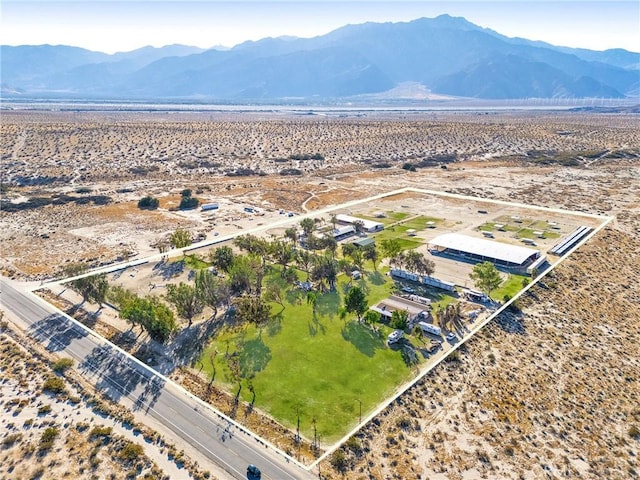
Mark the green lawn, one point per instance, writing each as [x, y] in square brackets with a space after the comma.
[420, 223]
[399, 232]
[528, 233]
[321, 366]
[511, 286]
[194, 262]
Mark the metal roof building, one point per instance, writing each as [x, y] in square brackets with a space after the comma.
[479, 249]
[369, 226]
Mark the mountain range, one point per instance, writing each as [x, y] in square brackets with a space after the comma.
[443, 56]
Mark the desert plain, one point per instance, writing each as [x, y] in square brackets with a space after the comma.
[548, 390]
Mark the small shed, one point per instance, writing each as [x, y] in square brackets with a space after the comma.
[364, 242]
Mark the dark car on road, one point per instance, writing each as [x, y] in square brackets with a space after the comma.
[253, 472]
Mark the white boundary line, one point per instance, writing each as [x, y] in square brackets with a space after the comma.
[291, 220]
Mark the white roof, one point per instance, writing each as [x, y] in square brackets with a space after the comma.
[343, 230]
[368, 224]
[485, 248]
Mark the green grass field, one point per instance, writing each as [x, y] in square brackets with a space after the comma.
[318, 365]
[194, 262]
[511, 286]
[399, 232]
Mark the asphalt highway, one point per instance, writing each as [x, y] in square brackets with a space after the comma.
[143, 390]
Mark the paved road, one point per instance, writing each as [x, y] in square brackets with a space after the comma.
[132, 384]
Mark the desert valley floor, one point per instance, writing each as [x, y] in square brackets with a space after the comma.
[550, 391]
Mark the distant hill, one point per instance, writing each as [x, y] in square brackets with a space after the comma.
[444, 56]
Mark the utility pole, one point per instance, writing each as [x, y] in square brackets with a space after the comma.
[315, 436]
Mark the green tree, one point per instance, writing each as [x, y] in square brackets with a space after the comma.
[163, 323]
[304, 259]
[371, 253]
[371, 317]
[359, 226]
[180, 238]
[93, 288]
[390, 247]
[355, 301]
[291, 234]
[418, 263]
[137, 311]
[486, 277]
[325, 271]
[208, 289]
[186, 299]
[418, 333]
[241, 275]
[150, 314]
[252, 309]
[222, 258]
[273, 293]
[399, 319]
[330, 245]
[308, 226]
[347, 249]
[282, 254]
[333, 220]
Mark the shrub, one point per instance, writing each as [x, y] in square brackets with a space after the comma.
[61, 365]
[189, 203]
[44, 409]
[131, 451]
[148, 203]
[48, 437]
[100, 431]
[409, 167]
[634, 432]
[11, 439]
[54, 384]
[339, 460]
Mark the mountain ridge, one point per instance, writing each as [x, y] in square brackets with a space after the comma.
[447, 56]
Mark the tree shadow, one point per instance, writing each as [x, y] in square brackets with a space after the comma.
[315, 326]
[118, 375]
[327, 304]
[167, 270]
[254, 356]
[274, 325]
[187, 347]
[56, 332]
[375, 278]
[85, 317]
[294, 296]
[362, 337]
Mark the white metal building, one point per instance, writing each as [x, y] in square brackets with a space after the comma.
[481, 250]
[369, 225]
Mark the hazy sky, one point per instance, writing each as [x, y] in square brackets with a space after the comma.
[115, 25]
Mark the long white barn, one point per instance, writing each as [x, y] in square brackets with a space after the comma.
[479, 249]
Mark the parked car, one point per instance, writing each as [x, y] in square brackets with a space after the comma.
[253, 472]
[451, 336]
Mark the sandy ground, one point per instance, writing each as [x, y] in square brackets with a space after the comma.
[546, 393]
[79, 450]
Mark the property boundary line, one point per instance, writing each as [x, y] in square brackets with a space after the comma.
[291, 220]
